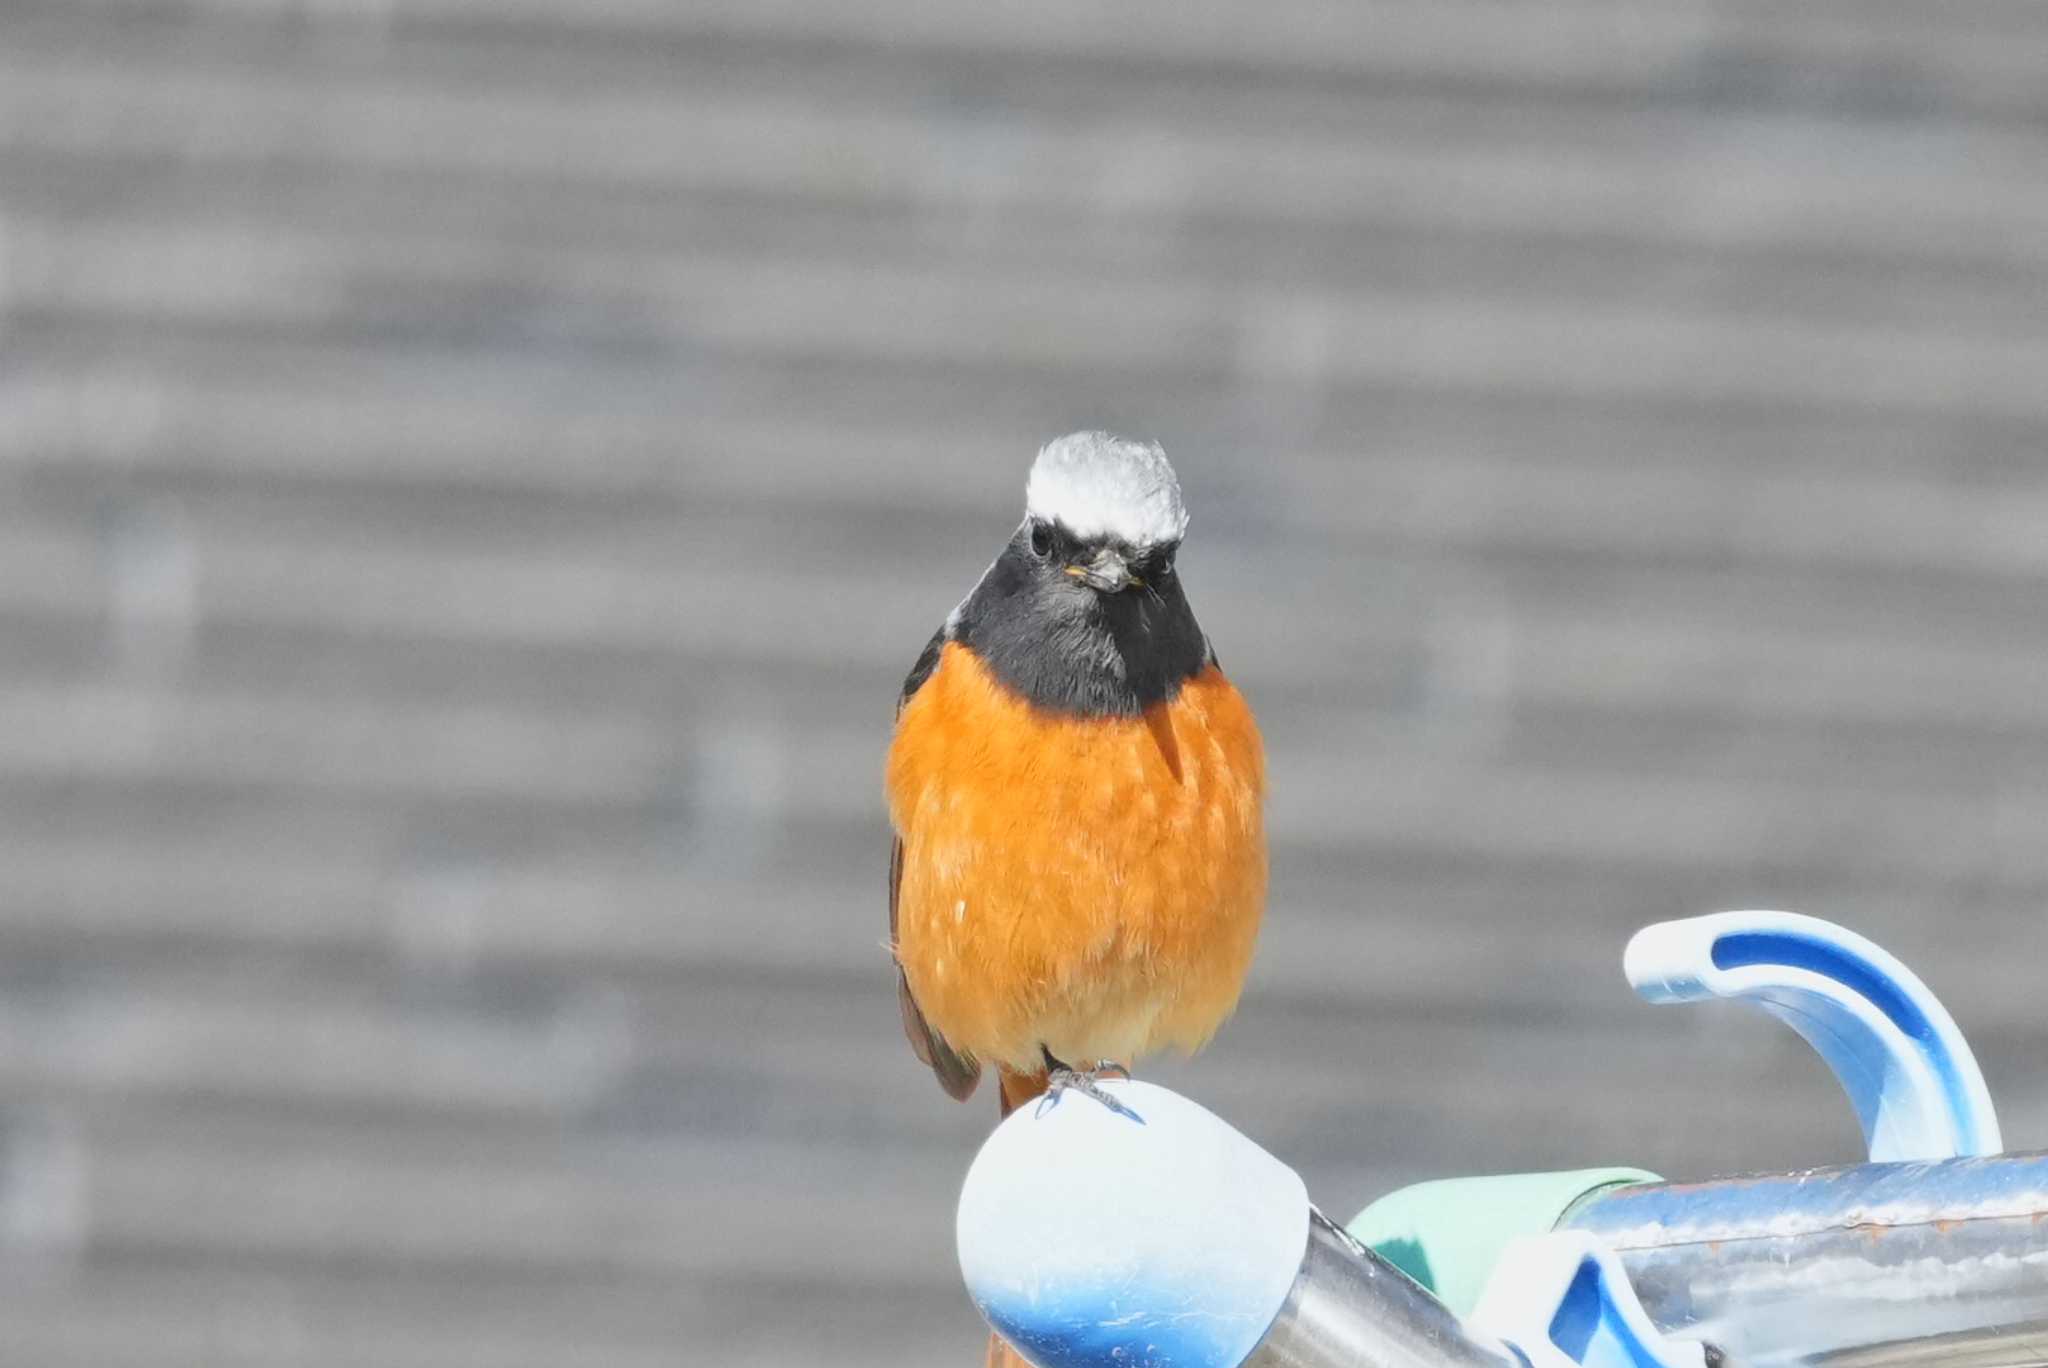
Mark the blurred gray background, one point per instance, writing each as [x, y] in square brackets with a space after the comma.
[473, 474]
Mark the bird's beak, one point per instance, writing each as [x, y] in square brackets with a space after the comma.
[1105, 571]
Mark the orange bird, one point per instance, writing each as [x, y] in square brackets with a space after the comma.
[1079, 866]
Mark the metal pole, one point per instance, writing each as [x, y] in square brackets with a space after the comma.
[1916, 1263]
[1349, 1308]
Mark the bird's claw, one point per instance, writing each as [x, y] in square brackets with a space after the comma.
[1087, 1082]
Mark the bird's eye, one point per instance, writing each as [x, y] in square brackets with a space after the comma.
[1041, 540]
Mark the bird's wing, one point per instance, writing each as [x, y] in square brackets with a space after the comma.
[957, 1073]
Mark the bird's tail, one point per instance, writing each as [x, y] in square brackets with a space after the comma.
[1013, 1090]
[1001, 1355]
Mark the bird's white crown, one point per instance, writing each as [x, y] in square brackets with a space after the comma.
[1096, 484]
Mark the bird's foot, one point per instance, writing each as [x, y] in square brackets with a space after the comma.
[1060, 1078]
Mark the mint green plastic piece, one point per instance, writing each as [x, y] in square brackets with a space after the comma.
[1447, 1235]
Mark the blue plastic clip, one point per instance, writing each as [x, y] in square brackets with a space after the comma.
[1892, 1045]
[1563, 1301]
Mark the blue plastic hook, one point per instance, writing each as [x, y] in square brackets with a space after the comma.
[1893, 1047]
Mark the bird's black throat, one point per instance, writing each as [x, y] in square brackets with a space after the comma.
[1070, 648]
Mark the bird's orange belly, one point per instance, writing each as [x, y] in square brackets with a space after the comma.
[1089, 885]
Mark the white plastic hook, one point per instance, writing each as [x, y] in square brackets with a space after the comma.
[1893, 1047]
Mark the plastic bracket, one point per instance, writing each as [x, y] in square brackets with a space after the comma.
[1893, 1047]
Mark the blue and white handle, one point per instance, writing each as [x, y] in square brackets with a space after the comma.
[1154, 1235]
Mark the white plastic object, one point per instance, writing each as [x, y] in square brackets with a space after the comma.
[1153, 1235]
[1893, 1047]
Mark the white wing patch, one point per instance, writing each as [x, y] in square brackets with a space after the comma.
[1097, 484]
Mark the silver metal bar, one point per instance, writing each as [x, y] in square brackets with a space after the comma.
[1875, 1264]
[1349, 1308]
[1995, 1348]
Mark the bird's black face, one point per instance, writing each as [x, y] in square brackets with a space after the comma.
[1084, 625]
[1103, 564]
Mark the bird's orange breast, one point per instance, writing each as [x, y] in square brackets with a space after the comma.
[1092, 885]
